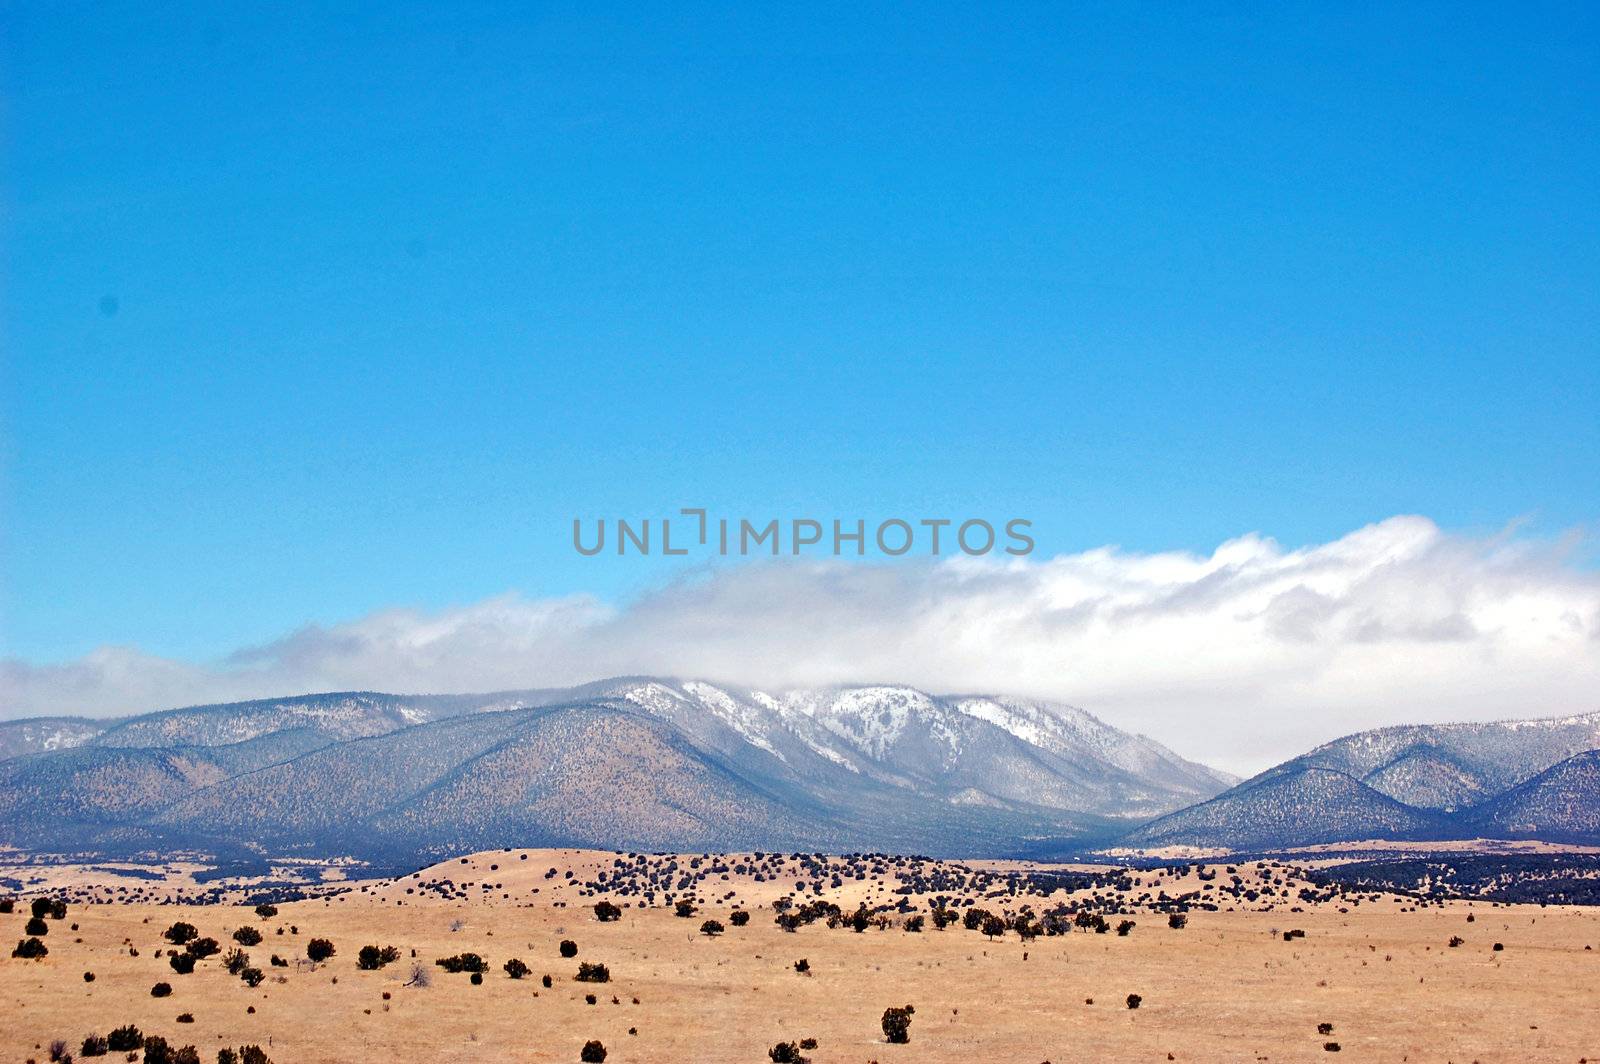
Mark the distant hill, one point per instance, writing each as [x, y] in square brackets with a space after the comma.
[1452, 766]
[1510, 779]
[35, 735]
[1561, 803]
[633, 763]
[1304, 807]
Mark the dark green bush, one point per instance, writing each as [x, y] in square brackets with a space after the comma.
[181, 932]
[569, 948]
[515, 968]
[593, 1052]
[897, 1024]
[463, 962]
[93, 1046]
[124, 1039]
[593, 973]
[319, 950]
[247, 936]
[606, 911]
[201, 948]
[30, 949]
[161, 990]
[371, 958]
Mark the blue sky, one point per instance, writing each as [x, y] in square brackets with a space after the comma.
[312, 313]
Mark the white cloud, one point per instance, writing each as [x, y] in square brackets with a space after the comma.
[1240, 658]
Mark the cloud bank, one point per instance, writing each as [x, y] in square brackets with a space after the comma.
[1239, 658]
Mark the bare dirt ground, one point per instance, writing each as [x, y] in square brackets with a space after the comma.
[1225, 987]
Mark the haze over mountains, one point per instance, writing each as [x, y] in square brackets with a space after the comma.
[660, 764]
[631, 763]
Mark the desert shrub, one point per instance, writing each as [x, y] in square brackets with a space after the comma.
[247, 936]
[993, 927]
[973, 918]
[684, 908]
[181, 932]
[547, 982]
[1456, 940]
[943, 917]
[463, 962]
[785, 1053]
[1498, 946]
[319, 950]
[802, 966]
[712, 928]
[1126, 926]
[738, 918]
[227, 1056]
[914, 923]
[253, 1054]
[1177, 921]
[93, 1046]
[593, 1052]
[36, 926]
[808, 1043]
[30, 949]
[157, 1051]
[593, 973]
[1134, 1001]
[266, 912]
[161, 990]
[897, 1024]
[124, 1039]
[236, 961]
[39, 906]
[182, 963]
[185, 1017]
[569, 948]
[371, 958]
[516, 969]
[1331, 1047]
[88, 977]
[252, 976]
[476, 978]
[8, 906]
[58, 1050]
[201, 948]
[186, 1055]
[606, 911]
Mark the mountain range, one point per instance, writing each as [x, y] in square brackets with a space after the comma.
[1531, 779]
[645, 763]
[632, 763]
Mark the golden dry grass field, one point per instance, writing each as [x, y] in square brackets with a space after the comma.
[1226, 987]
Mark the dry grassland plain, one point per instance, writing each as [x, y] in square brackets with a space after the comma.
[1227, 986]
